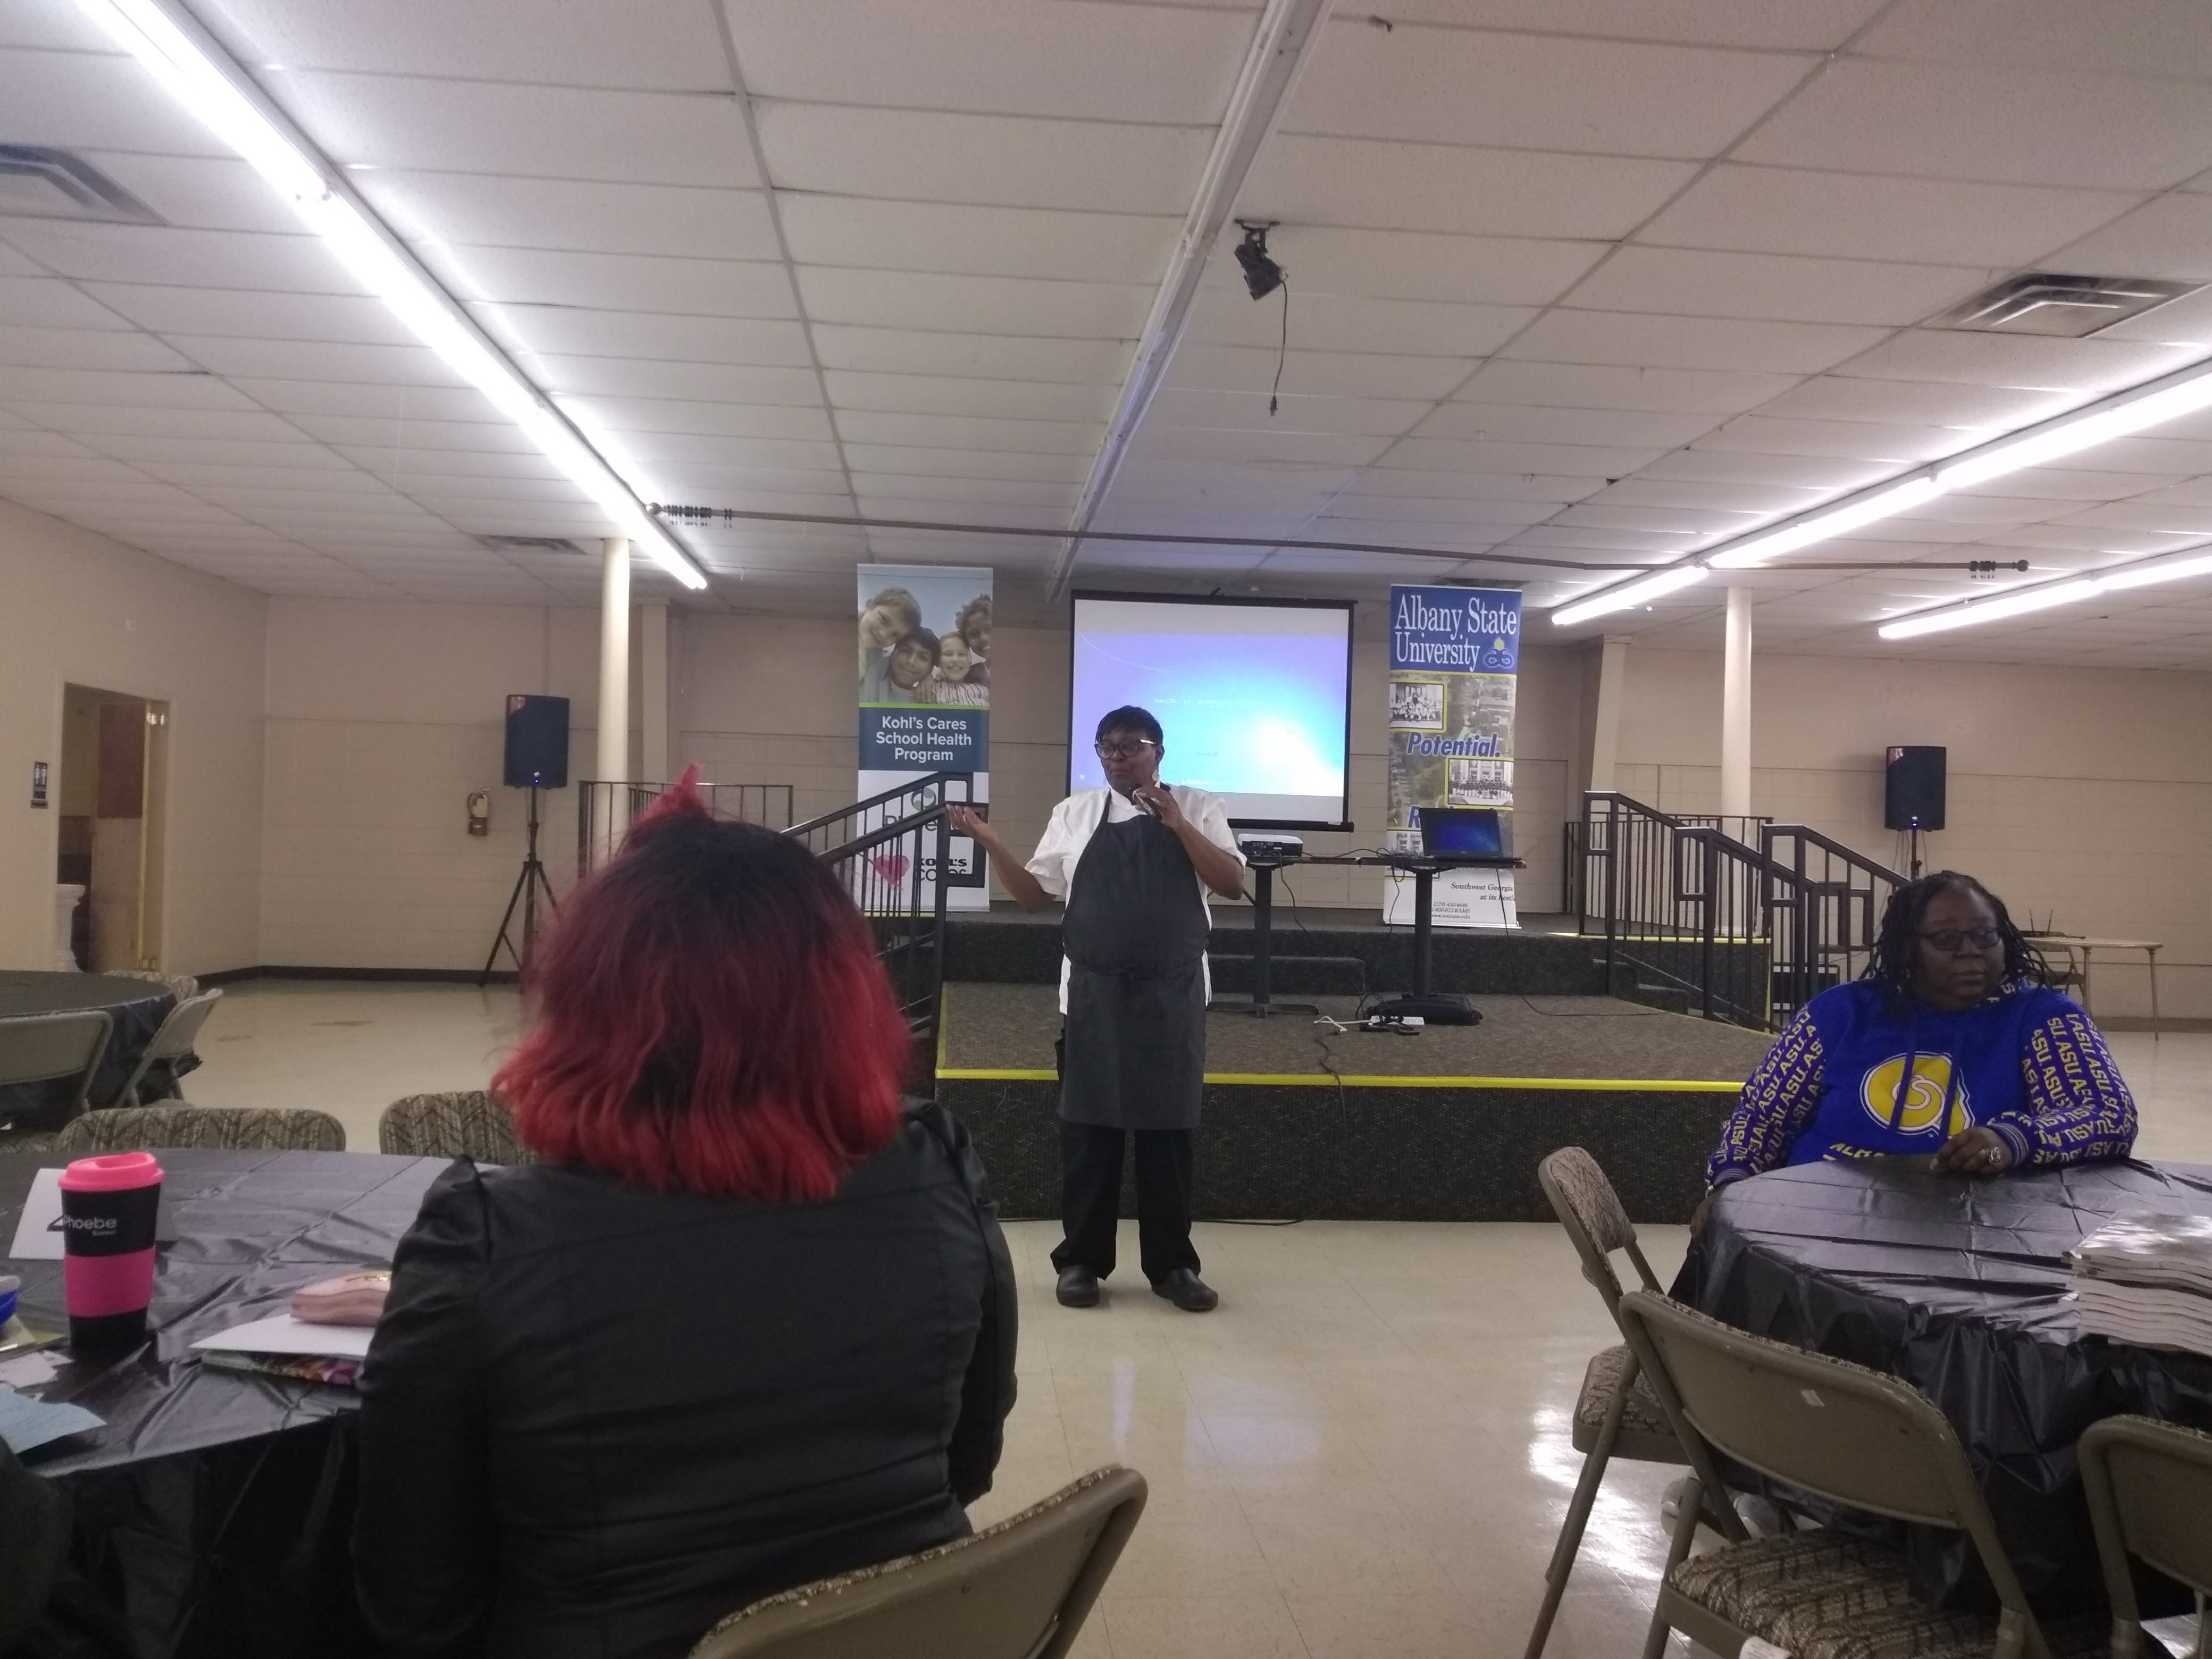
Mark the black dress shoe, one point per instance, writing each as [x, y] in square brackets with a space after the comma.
[1187, 1290]
[1078, 1288]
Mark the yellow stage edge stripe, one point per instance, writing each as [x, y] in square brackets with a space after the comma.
[1322, 1079]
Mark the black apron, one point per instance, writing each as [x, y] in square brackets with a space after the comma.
[1135, 936]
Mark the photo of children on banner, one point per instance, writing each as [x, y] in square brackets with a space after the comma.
[902, 660]
[1417, 705]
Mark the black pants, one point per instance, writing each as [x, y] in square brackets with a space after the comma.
[1091, 1197]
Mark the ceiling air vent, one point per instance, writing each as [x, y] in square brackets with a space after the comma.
[531, 544]
[38, 183]
[2049, 302]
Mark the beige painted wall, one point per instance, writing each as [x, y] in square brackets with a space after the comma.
[2086, 796]
[81, 608]
[381, 718]
[2082, 796]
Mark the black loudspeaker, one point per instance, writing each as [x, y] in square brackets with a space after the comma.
[1913, 791]
[537, 743]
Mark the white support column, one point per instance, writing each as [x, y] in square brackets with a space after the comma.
[652, 653]
[1735, 707]
[613, 765]
[1612, 689]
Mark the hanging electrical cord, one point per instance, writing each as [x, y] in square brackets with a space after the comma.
[1283, 350]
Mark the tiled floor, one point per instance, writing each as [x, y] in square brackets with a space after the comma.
[1364, 1451]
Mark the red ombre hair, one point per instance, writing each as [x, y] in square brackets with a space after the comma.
[711, 1017]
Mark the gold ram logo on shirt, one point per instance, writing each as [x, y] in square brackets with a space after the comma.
[1923, 1098]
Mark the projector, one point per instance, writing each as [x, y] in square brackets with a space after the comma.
[1270, 847]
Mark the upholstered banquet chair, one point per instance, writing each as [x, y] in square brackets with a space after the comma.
[472, 1124]
[1865, 1440]
[1020, 1589]
[1616, 1412]
[229, 1128]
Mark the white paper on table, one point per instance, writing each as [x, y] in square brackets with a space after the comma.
[29, 1370]
[282, 1334]
[39, 1231]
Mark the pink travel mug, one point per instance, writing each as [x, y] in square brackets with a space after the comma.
[108, 1211]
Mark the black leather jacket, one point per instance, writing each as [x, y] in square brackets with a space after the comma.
[596, 1420]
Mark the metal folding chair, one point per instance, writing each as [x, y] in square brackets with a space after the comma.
[173, 1041]
[1018, 1590]
[2150, 1497]
[42, 1047]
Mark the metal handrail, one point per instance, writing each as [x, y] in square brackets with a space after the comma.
[891, 853]
[1743, 935]
[606, 808]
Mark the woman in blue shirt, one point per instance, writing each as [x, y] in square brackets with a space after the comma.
[1951, 1045]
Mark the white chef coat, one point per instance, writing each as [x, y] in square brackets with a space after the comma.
[1076, 819]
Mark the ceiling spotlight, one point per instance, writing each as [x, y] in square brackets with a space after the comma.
[1262, 276]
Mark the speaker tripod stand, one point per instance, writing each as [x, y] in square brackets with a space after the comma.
[529, 884]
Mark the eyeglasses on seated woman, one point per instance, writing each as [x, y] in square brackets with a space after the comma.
[751, 1323]
[1951, 1045]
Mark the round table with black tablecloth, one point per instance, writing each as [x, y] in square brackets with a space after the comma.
[1960, 1286]
[138, 1007]
[193, 1457]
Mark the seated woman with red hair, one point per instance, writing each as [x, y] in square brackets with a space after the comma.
[750, 1323]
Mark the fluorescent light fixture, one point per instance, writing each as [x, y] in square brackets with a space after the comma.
[201, 76]
[1831, 521]
[2025, 601]
[1669, 581]
[2152, 571]
[2131, 412]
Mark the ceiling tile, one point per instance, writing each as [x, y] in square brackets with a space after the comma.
[732, 418]
[338, 318]
[1859, 216]
[2164, 37]
[1815, 25]
[985, 161]
[941, 394]
[1563, 460]
[306, 360]
[1774, 288]
[47, 302]
[985, 241]
[670, 44]
[1182, 406]
[477, 210]
[1535, 423]
[2007, 360]
[1442, 187]
[495, 278]
[873, 427]
[659, 381]
[1630, 341]
[386, 121]
[1319, 373]
[23, 346]
[564, 332]
[905, 351]
[1535, 91]
[1328, 322]
[2012, 127]
[189, 390]
[182, 258]
[1920, 403]
[975, 305]
[1157, 65]
[1584, 386]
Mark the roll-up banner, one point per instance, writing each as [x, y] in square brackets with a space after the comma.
[924, 693]
[1455, 652]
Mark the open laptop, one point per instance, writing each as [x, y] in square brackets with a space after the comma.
[1466, 832]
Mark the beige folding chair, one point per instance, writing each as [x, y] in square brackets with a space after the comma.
[235, 1128]
[1616, 1414]
[1846, 1433]
[2150, 1496]
[1018, 1590]
[470, 1124]
[40, 1047]
[173, 1041]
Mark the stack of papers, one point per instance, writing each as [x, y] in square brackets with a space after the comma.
[2146, 1279]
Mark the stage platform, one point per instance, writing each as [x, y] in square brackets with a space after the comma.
[1303, 1122]
[1340, 952]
